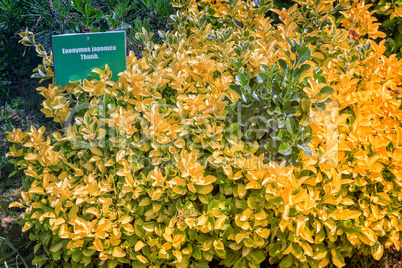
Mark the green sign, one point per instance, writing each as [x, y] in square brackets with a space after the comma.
[76, 55]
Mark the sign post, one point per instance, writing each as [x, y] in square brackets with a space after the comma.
[76, 55]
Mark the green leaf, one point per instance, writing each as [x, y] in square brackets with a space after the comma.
[302, 133]
[398, 40]
[273, 252]
[292, 44]
[264, 68]
[197, 253]
[285, 149]
[231, 258]
[242, 78]
[40, 260]
[326, 90]
[286, 262]
[290, 125]
[25, 183]
[337, 257]
[255, 96]
[299, 71]
[250, 133]
[277, 135]
[201, 265]
[37, 247]
[271, 146]
[113, 263]
[306, 149]
[233, 127]
[306, 140]
[240, 263]
[328, 100]
[303, 55]
[237, 63]
[213, 204]
[238, 23]
[388, 23]
[283, 65]
[260, 133]
[290, 111]
[256, 256]
[320, 106]
[13, 173]
[57, 247]
[227, 232]
[392, 44]
[305, 104]
[262, 77]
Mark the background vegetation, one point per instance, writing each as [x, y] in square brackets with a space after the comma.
[20, 103]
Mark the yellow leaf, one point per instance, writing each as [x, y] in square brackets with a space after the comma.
[180, 143]
[379, 251]
[142, 259]
[31, 157]
[98, 244]
[318, 55]
[218, 245]
[220, 222]
[206, 189]
[118, 252]
[96, 151]
[28, 225]
[241, 190]
[307, 248]
[36, 190]
[156, 194]
[93, 211]
[125, 219]
[240, 236]
[120, 155]
[178, 255]
[320, 255]
[139, 245]
[15, 205]
[30, 172]
[202, 220]
[324, 262]
[145, 202]
[238, 175]
[337, 258]
[191, 187]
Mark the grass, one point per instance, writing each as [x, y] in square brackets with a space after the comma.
[16, 250]
[20, 107]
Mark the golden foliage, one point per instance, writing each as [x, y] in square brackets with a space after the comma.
[147, 172]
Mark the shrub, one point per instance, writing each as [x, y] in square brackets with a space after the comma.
[161, 169]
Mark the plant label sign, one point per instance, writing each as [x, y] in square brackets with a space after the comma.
[76, 55]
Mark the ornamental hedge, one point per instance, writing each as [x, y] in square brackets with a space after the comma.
[235, 140]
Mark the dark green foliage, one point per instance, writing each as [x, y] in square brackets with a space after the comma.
[272, 107]
[76, 16]
[13, 17]
[16, 250]
[392, 28]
